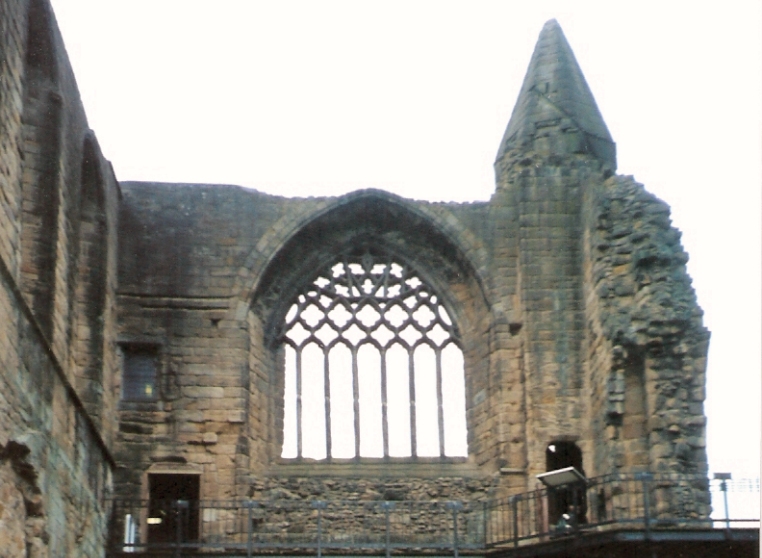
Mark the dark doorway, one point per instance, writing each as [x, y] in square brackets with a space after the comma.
[173, 508]
[570, 499]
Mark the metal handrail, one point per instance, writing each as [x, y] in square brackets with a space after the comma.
[646, 502]
[642, 501]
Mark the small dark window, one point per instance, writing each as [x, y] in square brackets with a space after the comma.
[139, 382]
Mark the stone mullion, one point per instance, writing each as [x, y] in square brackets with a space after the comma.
[327, 403]
[384, 404]
[348, 274]
[356, 400]
[379, 299]
[411, 384]
[299, 402]
[440, 408]
[385, 279]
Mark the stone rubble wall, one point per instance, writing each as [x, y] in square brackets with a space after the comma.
[420, 507]
[643, 327]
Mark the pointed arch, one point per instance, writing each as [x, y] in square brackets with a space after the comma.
[382, 233]
[411, 232]
[365, 297]
[90, 290]
[41, 145]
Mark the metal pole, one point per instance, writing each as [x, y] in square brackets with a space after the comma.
[387, 506]
[176, 513]
[646, 506]
[319, 506]
[319, 533]
[724, 478]
[724, 488]
[485, 523]
[178, 506]
[455, 507]
[515, 510]
[645, 478]
[249, 528]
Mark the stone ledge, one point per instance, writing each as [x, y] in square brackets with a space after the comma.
[372, 468]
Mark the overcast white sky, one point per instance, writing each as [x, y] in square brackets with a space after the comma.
[320, 98]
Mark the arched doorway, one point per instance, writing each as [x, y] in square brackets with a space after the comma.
[567, 504]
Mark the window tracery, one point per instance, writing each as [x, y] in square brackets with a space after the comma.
[373, 367]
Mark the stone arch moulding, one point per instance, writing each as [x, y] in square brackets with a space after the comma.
[90, 286]
[458, 242]
[41, 144]
[383, 224]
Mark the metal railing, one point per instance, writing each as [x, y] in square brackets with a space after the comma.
[640, 501]
[285, 526]
[248, 527]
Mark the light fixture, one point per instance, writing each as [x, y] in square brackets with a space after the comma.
[561, 477]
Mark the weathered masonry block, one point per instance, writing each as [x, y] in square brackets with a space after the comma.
[186, 342]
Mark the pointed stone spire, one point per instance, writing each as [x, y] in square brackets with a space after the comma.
[555, 111]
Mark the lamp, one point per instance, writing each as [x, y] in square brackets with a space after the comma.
[561, 477]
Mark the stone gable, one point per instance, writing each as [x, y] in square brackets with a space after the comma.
[142, 323]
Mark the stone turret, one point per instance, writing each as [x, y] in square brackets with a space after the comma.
[555, 112]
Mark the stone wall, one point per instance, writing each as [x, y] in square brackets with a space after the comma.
[646, 344]
[548, 192]
[519, 272]
[57, 295]
[206, 252]
[567, 290]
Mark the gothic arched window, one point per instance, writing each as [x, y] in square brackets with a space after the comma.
[372, 365]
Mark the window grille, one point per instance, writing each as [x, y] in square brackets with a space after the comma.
[139, 381]
[373, 367]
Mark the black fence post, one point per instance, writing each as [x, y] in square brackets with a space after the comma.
[515, 512]
[250, 505]
[455, 507]
[485, 523]
[645, 479]
[387, 507]
[179, 506]
[319, 505]
[724, 478]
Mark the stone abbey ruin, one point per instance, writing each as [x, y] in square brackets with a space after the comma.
[163, 345]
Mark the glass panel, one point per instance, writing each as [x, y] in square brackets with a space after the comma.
[139, 381]
[342, 402]
[398, 401]
[454, 402]
[369, 380]
[426, 408]
[289, 404]
[313, 402]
